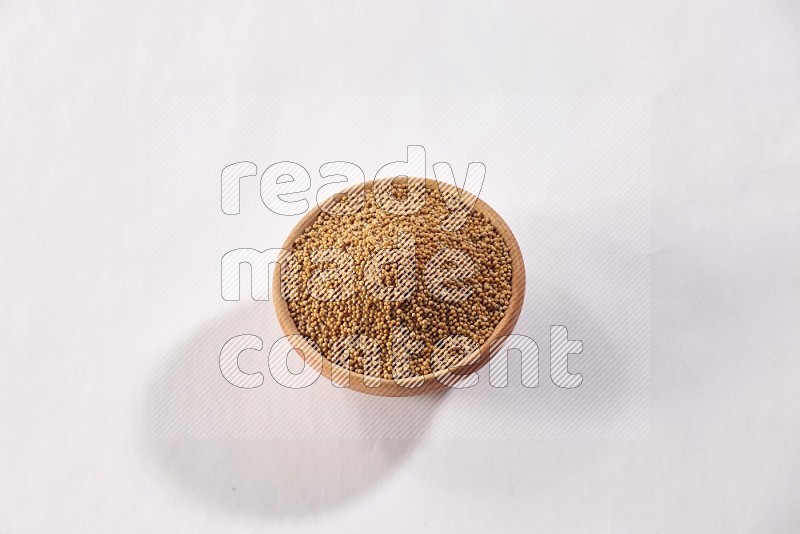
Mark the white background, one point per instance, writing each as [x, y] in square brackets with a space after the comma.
[93, 153]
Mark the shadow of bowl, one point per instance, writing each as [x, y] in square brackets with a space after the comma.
[271, 450]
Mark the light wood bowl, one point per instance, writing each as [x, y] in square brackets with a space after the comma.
[431, 381]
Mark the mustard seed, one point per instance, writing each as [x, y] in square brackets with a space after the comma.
[392, 294]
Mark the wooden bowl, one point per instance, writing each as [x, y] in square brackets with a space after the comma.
[431, 381]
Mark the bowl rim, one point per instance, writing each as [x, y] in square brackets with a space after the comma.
[470, 362]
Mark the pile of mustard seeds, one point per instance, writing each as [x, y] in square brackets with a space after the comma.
[403, 318]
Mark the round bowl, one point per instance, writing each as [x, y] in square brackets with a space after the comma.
[414, 385]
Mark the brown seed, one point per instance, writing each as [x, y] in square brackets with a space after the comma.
[484, 290]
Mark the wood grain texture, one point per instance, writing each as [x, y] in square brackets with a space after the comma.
[431, 381]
